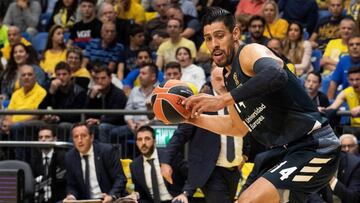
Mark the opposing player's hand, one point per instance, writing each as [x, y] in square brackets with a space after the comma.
[166, 172]
[204, 103]
[180, 198]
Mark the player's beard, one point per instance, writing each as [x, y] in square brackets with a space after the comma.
[229, 58]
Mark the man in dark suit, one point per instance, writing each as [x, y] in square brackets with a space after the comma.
[93, 169]
[146, 174]
[213, 159]
[48, 167]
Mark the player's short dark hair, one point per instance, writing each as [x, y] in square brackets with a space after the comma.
[89, 1]
[317, 74]
[217, 14]
[152, 68]
[62, 66]
[136, 29]
[354, 69]
[172, 64]
[146, 128]
[255, 18]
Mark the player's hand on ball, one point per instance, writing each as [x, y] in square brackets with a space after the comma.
[203, 103]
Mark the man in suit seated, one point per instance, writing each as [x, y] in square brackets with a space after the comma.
[213, 159]
[48, 168]
[146, 175]
[94, 169]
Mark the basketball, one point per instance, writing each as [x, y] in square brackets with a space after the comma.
[167, 98]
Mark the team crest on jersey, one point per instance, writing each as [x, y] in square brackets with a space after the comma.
[235, 77]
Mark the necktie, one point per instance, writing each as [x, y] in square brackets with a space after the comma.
[87, 176]
[154, 182]
[46, 167]
[230, 148]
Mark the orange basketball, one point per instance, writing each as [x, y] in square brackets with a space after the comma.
[167, 98]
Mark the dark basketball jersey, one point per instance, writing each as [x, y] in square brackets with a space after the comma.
[275, 118]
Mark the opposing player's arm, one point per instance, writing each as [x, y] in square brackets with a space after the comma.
[221, 124]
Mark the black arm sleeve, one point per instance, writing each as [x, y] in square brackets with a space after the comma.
[270, 76]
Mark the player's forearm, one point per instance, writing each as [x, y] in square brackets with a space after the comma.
[219, 125]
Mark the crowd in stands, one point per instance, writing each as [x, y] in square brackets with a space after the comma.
[110, 54]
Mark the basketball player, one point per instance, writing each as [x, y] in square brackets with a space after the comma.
[267, 100]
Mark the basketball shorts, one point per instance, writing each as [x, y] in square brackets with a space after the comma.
[302, 167]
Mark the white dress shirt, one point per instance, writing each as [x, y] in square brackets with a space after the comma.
[164, 193]
[95, 191]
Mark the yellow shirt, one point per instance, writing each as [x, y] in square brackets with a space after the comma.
[51, 59]
[30, 101]
[278, 29]
[82, 72]
[335, 49]
[203, 48]
[136, 13]
[168, 49]
[352, 98]
[7, 48]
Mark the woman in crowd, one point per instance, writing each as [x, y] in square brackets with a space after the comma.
[64, 14]
[298, 50]
[20, 55]
[55, 49]
[190, 72]
[275, 27]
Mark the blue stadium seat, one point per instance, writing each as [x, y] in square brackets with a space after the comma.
[39, 41]
[315, 59]
[66, 36]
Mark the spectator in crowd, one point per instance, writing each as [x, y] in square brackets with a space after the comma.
[312, 85]
[167, 50]
[3, 31]
[187, 7]
[249, 7]
[89, 27]
[338, 47]
[158, 23]
[130, 10]
[104, 95]
[55, 49]
[64, 14]
[157, 38]
[349, 144]
[28, 97]
[47, 6]
[350, 95]
[132, 79]
[14, 37]
[213, 169]
[79, 73]
[340, 75]
[328, 27]
[48, 167]
[276, 45]
[137, 40]
[137, 100]
[256, 31]
[172, 71]
[93, 169]
[106, 50]
[298, 50]
[190, 72]
[191, 25]
[107, 14]
[146, 172]
[353, 9]
[24, 14]
[275, 27]
[63, 94]
[20, 55]
[303, 11]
